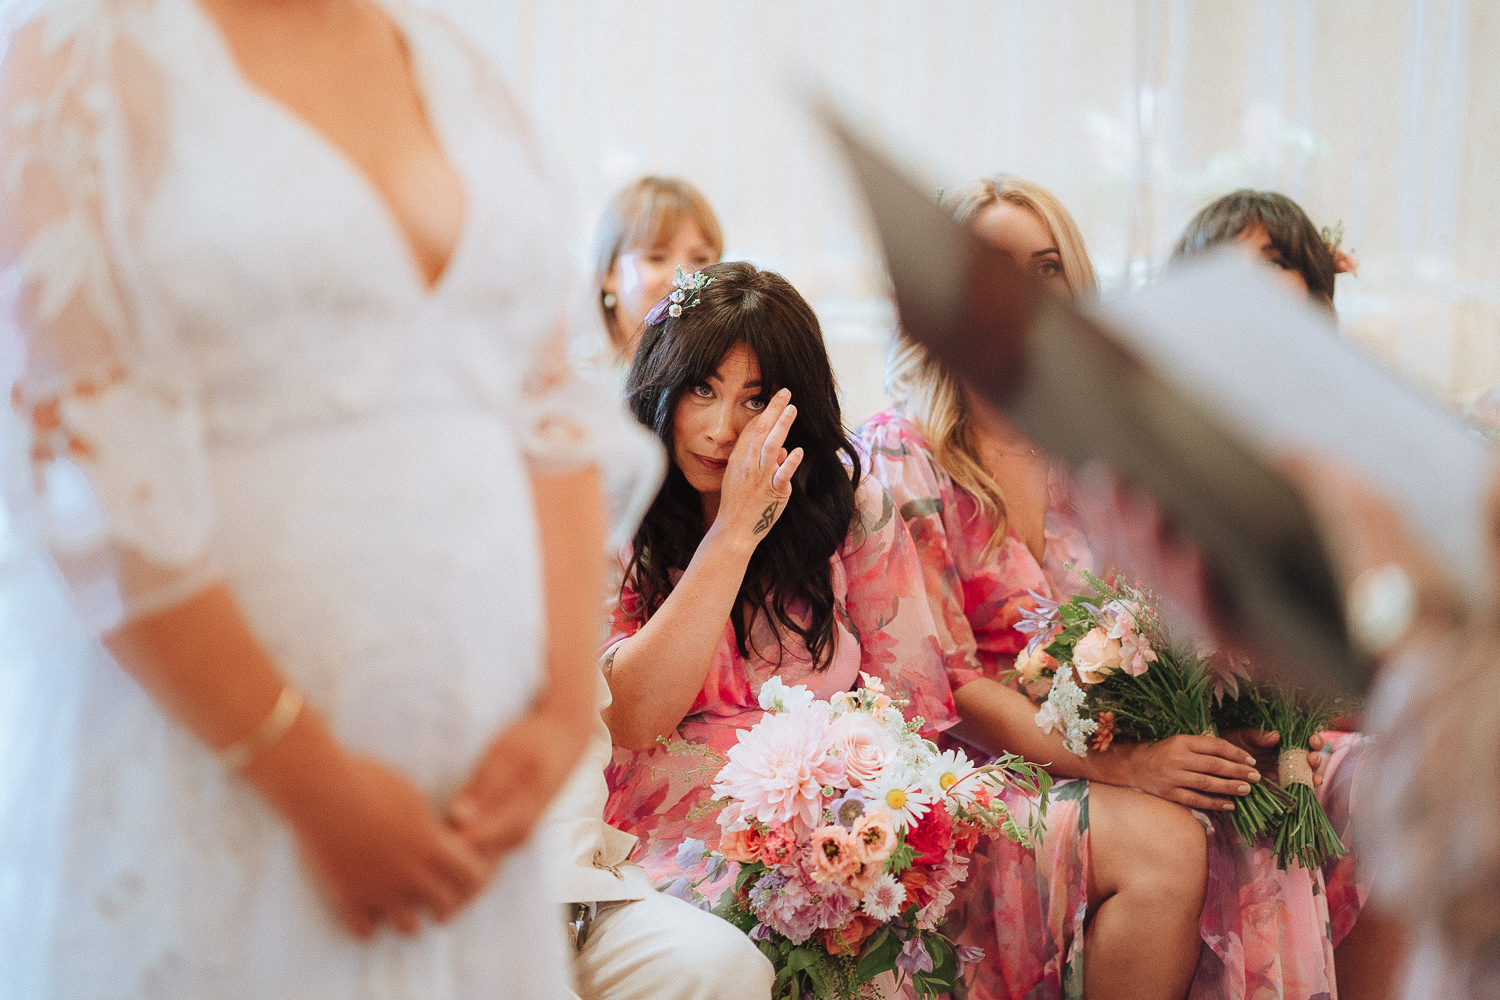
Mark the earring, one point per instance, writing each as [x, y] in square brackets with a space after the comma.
[609, 300]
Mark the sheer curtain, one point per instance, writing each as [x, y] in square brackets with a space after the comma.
[1382, 114]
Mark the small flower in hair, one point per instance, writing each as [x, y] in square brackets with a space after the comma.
[1344, 261]
[677, 301]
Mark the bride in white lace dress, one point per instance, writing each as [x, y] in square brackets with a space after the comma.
[288, 274]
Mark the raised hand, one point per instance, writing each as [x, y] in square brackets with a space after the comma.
[758, 478]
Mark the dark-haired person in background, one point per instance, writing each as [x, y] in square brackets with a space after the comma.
[1274, 228]
[767, 552]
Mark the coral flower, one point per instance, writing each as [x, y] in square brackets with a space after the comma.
[777, 770]
[848, 939]
[1032, 663]
[742, 846]
[1105, 734]
[875, 835]
[836, 852]
[778, 848]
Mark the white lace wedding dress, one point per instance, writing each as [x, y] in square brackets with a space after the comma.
[237, 372]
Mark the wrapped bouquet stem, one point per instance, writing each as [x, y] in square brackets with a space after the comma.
[1303, 833]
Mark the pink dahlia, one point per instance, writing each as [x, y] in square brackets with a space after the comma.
[777, 770]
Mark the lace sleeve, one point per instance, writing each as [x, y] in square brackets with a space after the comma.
[116, 445]
[567, 419]
[570, 420]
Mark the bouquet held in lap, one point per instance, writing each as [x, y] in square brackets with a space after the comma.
[1112, 670]
[852, 832]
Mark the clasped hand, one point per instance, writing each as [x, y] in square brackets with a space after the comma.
[385, 856]
[1205, 772]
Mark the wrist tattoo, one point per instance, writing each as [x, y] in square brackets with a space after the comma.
[767, 518]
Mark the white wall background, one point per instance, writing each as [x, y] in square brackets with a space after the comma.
[1384, 114]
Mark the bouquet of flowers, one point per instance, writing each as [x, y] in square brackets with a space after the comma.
[1110, 669]
[852, 833]
[1303, 833]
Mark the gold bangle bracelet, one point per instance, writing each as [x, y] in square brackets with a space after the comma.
[272, 728]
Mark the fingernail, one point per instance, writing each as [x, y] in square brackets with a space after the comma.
[1227, 807]
[1244, 789]
[784, 392]
[1249, 760]
[1253, 776]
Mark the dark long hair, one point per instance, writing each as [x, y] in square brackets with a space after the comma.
[760, 309]
[1292, 234]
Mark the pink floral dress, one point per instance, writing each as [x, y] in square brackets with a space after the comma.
[883, 626]
[1267, 933]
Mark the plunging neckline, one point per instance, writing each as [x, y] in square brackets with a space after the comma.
[346, 164]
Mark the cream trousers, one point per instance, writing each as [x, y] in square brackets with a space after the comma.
[660, 948]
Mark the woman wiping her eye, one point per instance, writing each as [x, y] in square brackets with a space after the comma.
[766, 553]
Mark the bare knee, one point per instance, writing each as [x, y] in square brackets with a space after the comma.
[1150, 848]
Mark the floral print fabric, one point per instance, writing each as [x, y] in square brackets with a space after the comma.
[1267, 933]
[883, 627]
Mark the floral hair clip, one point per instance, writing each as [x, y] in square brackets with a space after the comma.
[1344, 261]
[688, 285]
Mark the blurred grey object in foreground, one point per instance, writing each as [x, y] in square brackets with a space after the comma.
[1186, 389]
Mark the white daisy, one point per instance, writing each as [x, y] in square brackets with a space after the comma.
[946, 774]
[883, 899]
[899, 790]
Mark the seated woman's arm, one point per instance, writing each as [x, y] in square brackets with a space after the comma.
[995, 716]
[655, 675]
[1196, 771]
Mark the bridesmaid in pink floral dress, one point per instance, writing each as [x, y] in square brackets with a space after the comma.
[766, 553]
[1100, 880]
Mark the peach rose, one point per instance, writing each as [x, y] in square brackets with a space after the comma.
[1029, 665]
[1096, 656]
[836, 853]
[742, 846]
[865, 876]
[864, 744]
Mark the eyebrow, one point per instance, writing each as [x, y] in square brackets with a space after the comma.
[757, 384]
[1043, 253]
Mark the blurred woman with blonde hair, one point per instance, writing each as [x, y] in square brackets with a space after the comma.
[651, 227]
[993, 523]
